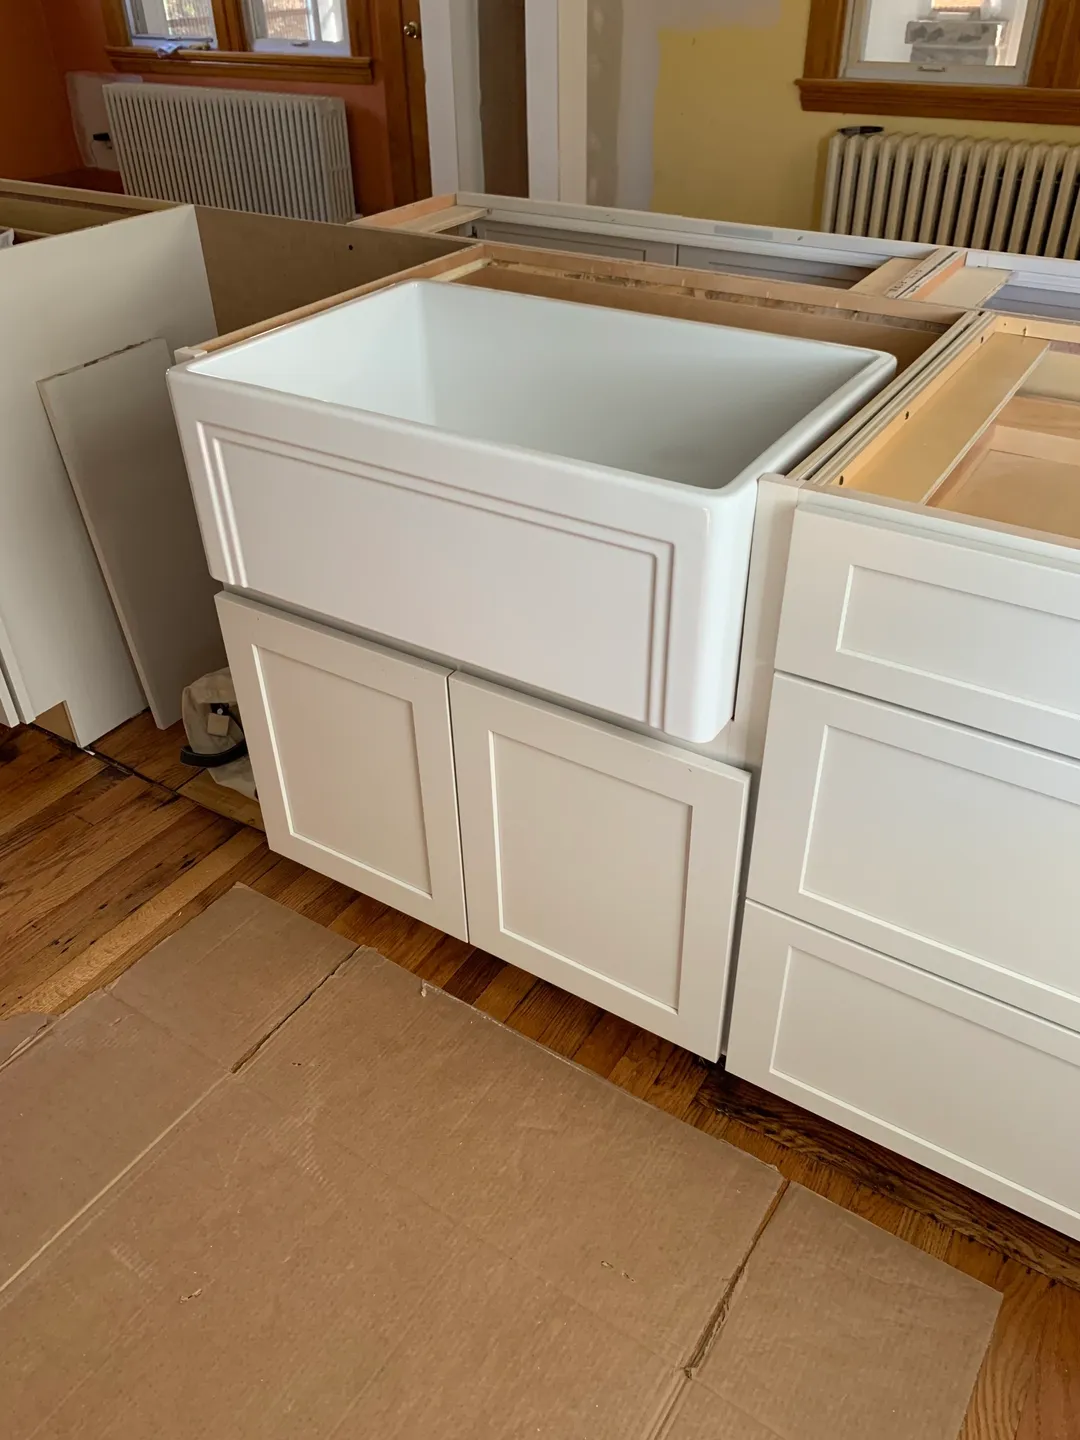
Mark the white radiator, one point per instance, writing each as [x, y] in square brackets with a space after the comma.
[240, 149]
[954, 190]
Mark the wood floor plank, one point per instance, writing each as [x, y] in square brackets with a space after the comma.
[640, 1064]
[606, 1044]
[135, 814]
[555, 1019]
[21, 751]
[152, 753]
[59, 936]
[1052, 1408]
[441, 964]
[678, 1081]
[42, 835]
[205, 790]
[505, 993]
[949, 1204]
[475, 975]
[25, 802]
[121, 946]
[358, 920]
[1005, 1377]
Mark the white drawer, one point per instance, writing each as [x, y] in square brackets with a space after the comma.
[974, 632]
[953, 850]
[971, 1088]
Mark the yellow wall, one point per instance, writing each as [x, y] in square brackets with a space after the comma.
[730, 140]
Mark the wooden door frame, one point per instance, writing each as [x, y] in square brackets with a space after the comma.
[406, 117]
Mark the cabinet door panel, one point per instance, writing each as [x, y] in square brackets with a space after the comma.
[350, 745]
[603, 862]
[976, 1090]
[953, 850]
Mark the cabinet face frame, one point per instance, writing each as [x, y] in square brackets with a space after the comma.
[253, 633]
[511, 751]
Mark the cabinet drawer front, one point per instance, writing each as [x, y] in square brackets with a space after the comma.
[971, 1088]
[351, 750]
[949, 627]
[604, 863]
[949, 849]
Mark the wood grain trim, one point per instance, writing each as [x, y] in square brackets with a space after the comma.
[825, 37]
[228, 25]
[115, 20]
[389, 48]
[1055, 61]
[1021, 104]
[405, 217]
[245, 65]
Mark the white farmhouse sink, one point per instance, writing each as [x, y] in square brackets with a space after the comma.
[561, 494]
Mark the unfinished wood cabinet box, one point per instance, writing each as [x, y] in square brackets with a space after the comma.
[917, 839]
[901, 270]
[869, 266]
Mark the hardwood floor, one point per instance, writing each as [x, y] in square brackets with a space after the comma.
[101, 857]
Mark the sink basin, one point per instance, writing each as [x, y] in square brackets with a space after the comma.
[558, 493]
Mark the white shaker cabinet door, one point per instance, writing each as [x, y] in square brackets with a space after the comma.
[603, 862]
[350, 745]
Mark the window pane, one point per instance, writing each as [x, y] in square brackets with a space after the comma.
[934, 35]
[307, 23]
[172, 20]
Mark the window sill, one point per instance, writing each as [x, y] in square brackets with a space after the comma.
[1019, 104]
[244, 64]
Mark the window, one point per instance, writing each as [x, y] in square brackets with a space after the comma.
[938, 43]
[162, 22]
[1012, 60]
[295, 39]
[315, 26]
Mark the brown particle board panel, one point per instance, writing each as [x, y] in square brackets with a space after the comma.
[262, 266]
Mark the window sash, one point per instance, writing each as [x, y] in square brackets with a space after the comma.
[914, 72]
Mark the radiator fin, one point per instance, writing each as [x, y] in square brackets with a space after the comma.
[1012, 195]
[238, 149]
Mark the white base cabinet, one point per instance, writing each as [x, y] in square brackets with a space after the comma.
[603, 862]
[350, 745]
[979, 1091]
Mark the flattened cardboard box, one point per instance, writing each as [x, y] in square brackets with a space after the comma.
[268, 1186]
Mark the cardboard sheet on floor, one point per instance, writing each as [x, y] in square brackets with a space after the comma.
[269, 1186]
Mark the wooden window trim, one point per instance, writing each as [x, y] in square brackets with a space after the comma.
[1052, 96]
[232, 61]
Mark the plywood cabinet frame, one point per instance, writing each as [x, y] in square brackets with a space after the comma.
[639, 285]
[939, 422]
